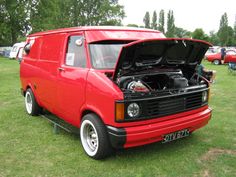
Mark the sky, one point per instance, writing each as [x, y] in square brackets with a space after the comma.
[189, 14]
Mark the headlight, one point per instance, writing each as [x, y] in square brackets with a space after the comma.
[133, 110]
[204, 96]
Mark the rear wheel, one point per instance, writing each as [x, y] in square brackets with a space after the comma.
[31, 104]
[94, 137]
[216, 62]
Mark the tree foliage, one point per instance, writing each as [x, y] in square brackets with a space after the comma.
[75, 13]
[154, 20]
[199, 34]
[18, 17]
[213, 38]
[41, 18]
[133, 25]
[146, 20]
[13, 17]
[235, 29]
[225, 32]
[161, 22]
[182, 33]
[170, 24]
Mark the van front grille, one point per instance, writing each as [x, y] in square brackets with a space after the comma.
[164, 106]
[172, 105]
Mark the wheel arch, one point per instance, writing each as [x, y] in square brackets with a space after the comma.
[29, 86]
[86, 111]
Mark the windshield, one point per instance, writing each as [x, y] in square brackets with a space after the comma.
[104, 56]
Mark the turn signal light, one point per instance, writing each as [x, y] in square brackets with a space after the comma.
[120, 112]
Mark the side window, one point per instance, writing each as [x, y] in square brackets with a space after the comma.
[75, 55]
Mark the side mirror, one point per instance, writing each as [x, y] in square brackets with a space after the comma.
[27, 48]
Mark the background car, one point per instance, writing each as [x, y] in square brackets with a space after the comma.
[6, 53]
[212, 50]
[216, 58]
[15, 49]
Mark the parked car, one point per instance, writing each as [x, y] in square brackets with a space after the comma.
[15, 49]
[122, 87]
[212, 50]
[6, 53]
[216, 58]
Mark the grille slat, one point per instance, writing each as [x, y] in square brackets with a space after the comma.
[163, 105]
[167, 106]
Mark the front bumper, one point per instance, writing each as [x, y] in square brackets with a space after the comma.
[146, 134]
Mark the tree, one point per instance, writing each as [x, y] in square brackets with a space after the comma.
[170, 24]
[146, 20]
[182, 33]
[230, 34]
[161, 22]
[235, 32]
[213, 38]
[225, 31]
[235, 27]
[13, 17]
[41, 18]
[56, 14]
[133, 25]
[97, 12]
[18, 17]
[199, 34]
[154, 20]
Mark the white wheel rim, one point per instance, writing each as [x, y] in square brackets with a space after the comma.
[28, 102]
[89, 137]
[216, 62]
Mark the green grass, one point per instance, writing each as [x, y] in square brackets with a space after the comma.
[28, 146]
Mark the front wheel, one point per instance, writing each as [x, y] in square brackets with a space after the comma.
[216, 62]
[31, 104]
[94, 137]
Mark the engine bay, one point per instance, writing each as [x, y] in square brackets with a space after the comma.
[167, 80]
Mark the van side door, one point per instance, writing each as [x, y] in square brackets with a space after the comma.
[72, 75]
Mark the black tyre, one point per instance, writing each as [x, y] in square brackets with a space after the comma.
[94, 137]
[31, 104]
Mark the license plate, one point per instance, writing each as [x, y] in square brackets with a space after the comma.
[175, 135]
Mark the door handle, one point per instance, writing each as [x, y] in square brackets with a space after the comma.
[61, 69]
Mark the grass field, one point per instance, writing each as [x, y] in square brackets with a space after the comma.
[28, 146]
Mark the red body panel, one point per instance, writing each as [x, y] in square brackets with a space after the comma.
[140, 135]
[69, 91]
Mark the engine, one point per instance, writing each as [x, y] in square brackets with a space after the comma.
[153, 82]
[137, 86]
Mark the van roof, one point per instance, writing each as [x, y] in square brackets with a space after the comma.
[100, 33]
[93, 28]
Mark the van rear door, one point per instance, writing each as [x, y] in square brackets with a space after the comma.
[47, 65]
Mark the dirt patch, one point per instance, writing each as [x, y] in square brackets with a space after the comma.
[212, 153]
[205, 173]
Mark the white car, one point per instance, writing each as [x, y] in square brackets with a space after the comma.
[15, 49]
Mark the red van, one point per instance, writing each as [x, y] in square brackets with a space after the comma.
[122, 87]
